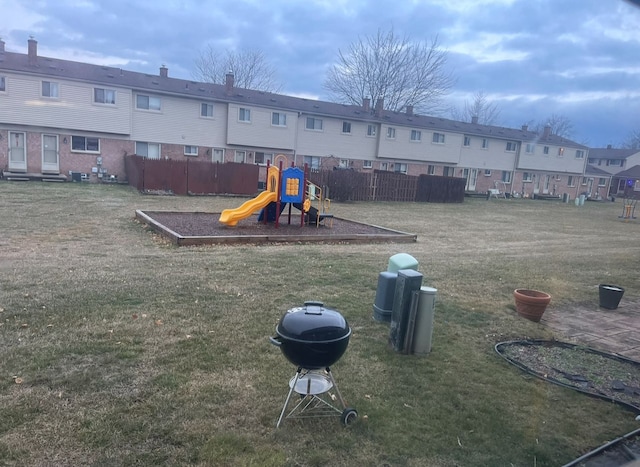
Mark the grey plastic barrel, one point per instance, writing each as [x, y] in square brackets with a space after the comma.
[383, 305]
[423, 333]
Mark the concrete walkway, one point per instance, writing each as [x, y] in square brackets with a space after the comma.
[616, 331]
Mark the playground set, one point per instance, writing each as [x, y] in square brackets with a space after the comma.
[289, 187]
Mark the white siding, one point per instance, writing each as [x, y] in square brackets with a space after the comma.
[331, 140]
[74, 109]
[552, 162]
[259, 132]
[179, 122]
[425, 150]
[495, 157]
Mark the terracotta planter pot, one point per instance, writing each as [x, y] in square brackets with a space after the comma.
[531, 304]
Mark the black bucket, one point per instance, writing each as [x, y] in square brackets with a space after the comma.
[610, 296]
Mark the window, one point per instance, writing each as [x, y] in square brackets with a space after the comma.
[104, 96]
[240, 157]
[147, 102]
[512, 146]
[367, 164]
[262, 158]
[449, 171]
[313, 162]
[244, 115]
[206, 110]
[371, 130]
[615, 162]
[467, 141]
[527, 177]
[438, 138]
[506, 176]
[602, 181]
[49, 89]
[218, 155]
[416, 135]
[191, 150]
[487, 172]
[592, 160]
[579, 154]
[344, 163]
[346, 127]
[278, 119]
[571, 181]
[400, 168]
[384, 166]
[391, 132]
[148, 150]
[560, 152]
[546, 150]
[431, 170]
[485, 143]
[530, 148]
[584, 180]
[3, 84]
[84, 144]
[314, 124]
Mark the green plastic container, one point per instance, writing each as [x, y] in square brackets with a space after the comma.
[402, 261]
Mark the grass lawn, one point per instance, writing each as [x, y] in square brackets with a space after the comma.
[118, 348]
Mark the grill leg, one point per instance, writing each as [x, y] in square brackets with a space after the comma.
[286, 402]
[333, 381]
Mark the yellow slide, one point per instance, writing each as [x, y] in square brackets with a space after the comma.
[231, 217]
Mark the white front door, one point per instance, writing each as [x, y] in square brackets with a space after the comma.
[50, 161]
[17, 152]
[472, 178]
[547, 179]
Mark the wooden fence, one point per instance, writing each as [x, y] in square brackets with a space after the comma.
[191, 177]
[197, 177]
[348, 185]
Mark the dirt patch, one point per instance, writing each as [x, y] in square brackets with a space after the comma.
[191, 228]
[579, 367]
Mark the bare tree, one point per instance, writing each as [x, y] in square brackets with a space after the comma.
[389, 67]
[487, 112]
[633, 140]
[560, 125]
[250, 69]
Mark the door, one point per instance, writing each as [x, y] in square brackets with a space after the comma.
[536, 186]
[17, 152]
[547, 180]
[472, 177]
[50, 160]
[589, 187]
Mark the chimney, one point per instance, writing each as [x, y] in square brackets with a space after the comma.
[33, 51]
[164, 71]
[379, 106]
[1, 45]
[228, 83]
[547, 131]
[366, 104]
[525, 127]
[410, 110]
[608, 146]
[474, 119]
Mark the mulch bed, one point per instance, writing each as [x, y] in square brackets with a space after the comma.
[192, 228]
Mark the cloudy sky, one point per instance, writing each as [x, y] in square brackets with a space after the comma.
[533, 58]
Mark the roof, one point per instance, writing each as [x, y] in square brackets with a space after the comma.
[612, 153]
[630, 173]
[117, 77]
[593, 170]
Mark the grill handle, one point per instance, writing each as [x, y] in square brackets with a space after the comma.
[275, 341]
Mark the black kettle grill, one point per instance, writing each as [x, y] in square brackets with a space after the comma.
[313, 337]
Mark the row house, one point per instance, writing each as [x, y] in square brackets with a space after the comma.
[615, 163]
[60, 117]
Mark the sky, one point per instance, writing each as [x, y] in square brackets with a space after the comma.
[579, 59]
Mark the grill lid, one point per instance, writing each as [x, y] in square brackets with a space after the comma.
[313, 322]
